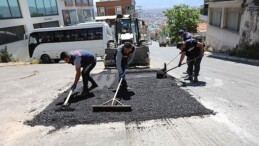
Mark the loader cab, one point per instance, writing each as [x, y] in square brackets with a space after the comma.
[127, 30]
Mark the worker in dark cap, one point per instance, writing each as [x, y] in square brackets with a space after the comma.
[185, 35]
[123, 57]
[194, 51]
[85, 60]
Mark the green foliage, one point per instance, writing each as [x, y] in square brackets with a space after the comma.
[181, 17]
[163, 31]
[5, 56]
[249, 51]
[35, 61]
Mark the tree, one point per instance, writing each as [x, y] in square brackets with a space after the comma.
[181, 17]
[163, 31]
[5, 56]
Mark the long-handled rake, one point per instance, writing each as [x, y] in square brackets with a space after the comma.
[165, 65]
[65, 105]
[115, 106]
[163, 72]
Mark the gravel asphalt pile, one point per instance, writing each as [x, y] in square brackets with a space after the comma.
[149, 97]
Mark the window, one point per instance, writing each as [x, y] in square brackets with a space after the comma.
[216, 14]
[9, 9]
[84, 15]
[48, 7]
[127, 7]
[54, 7]
[46, 24]
[85, 2]
[32, 7]
[70, 17]
[82, 2]
[11, 34]
[42, 7]
[118, 10]
[68, 2]
[233, 19]
[90, 2]
[101, 11]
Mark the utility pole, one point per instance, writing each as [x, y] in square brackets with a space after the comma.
[138, 11]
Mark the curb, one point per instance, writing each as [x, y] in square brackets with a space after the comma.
[14, 64]
[232, 58]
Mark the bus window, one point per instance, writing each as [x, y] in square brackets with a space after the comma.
[83, 34]
[75, 35]
[57, 36]
[95, 33]
[45, 37]
[64, 35]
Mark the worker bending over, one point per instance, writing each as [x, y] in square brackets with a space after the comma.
[123, 56]
[85, 60]
[194, 51]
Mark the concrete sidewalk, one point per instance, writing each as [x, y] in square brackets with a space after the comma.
[14, 64]
[232, 58]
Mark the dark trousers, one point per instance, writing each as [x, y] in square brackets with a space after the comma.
[187, 59]
[124, 62]
[123, 66]
[196, 64]
[86, 75]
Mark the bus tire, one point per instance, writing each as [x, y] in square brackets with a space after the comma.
[45, 58]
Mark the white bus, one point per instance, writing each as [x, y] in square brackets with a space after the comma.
[46, 44]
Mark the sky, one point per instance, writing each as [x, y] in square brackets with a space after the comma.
[156, 4]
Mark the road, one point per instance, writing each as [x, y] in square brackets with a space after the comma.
[228, 88]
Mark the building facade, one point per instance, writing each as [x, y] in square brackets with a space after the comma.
[114, 7]
[18, 17]
[232, 23]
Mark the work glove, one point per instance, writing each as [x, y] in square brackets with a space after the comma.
[201, 55]
[73, 87]
[126, 66]
[179, 65]
[122, 75]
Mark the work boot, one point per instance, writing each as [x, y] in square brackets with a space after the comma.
[85, 92]
[93, 86]
[195, 79]
[189, 78]
[123, 88]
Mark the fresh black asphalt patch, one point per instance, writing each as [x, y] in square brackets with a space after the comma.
[150, 98]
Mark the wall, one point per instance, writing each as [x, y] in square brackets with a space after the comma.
[110, 6]
[249, 32]
[220, 39]
[19, 50]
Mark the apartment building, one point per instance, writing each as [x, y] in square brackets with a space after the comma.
[232, 23]
[18, 17]
[114, 7]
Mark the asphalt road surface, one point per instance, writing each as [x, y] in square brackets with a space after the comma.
[228, 89]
